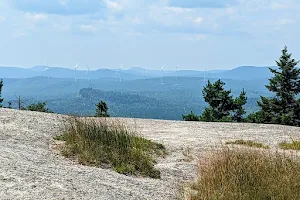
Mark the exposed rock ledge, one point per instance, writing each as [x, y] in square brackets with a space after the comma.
[30, 169]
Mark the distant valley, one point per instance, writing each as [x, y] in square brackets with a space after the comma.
[135, 92]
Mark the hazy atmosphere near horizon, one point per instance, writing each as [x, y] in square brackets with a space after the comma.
[189, 34]
[150, 99]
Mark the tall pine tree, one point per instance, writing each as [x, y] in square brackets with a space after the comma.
[284, 108]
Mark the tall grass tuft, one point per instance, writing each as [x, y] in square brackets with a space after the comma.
[294, 145]
[105, 143]
[249, 143]
[246, 174]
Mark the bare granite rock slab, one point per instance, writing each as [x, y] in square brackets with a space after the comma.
[31, 169]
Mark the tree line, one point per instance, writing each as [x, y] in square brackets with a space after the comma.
[283, 108]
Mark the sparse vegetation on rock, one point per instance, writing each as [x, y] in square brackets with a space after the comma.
[294, 145]
[247, 174]
[249, 143]
[104, 143]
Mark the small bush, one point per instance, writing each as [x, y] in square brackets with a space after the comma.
[257, 117]
[38, 107]
[105, 143]
[294, 145]
[190, 117]
[249, 143]
[249, 175]
[226, 119]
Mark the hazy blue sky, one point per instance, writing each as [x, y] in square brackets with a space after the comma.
[191, 34]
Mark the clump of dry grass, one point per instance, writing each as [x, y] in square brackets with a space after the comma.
[247, 174]
[294, 145]
[249, 143]
[110, 144]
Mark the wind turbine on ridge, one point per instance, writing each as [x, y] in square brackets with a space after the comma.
[75, 68]
[162, 75]
[87, 73]
[121, 68]
[88, 70]
[176, 78]
[117, 74]
[47, 68]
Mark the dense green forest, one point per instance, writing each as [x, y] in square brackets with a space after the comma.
[157, 98]
[157, 105]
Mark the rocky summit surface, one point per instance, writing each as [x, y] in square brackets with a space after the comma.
[31, 167]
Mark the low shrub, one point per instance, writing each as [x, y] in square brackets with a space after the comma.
[191, 117]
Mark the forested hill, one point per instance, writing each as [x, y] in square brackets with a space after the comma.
[120, 104]
[115, 97]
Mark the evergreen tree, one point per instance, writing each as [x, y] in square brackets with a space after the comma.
[101, 110]
[218, 98]
[222, 104]
[284, 107]
[1, 99]
[238, 107]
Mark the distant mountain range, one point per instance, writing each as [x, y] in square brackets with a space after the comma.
[135, 92]
[239, 73]
[157, 98]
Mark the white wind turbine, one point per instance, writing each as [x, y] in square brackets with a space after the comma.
[176, 78]
[75, 68]
[116, 74]
[204, 78]
[88, 70]
[47, 68]
[162, 74]
[121, 68]
[87, 73]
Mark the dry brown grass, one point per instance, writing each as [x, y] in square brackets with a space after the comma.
[246, 174]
